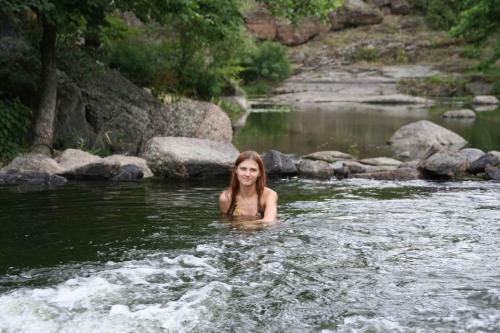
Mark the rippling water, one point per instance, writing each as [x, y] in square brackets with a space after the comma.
[347, 256]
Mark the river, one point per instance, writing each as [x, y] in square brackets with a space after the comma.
[347, 256]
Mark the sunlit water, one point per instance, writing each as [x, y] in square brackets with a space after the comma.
[347, 256]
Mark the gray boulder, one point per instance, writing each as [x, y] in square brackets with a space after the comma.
[101, 170]
[315, 169]
[340, 170]
[277, 163]
[129, 173]
[328, 156]
[75, 158]
[356, 167]
[448, 164]
[397, 174]
[31, 178]
[493, 172]
[33, 163]
[460, 114]
[381, 161]
[414, 140]
[134, 160]
[486, 100]
[479, 165]
[106, 110]
[471, 154]
[400, 7]
[354, 13]
[179, 157]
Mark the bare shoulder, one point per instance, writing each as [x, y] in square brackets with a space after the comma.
[270, 194]
[224, 201]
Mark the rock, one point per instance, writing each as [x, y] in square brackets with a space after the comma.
[493, 172]
[413, 164]
[486, 100]
[354, 13]
[34, 163]
[340, 170]
[355, 167]
[129, 173]
[315, 169]
[397, 174]
[471, 154]
[179, 157]
[137, 161]
[108, 111]
[261, 24]
[381, 161]
[101, 170]
[479, 165]
[277, 163]
[328, 156]
[305, 30]
[75, 158]
[392, 99]
[447, 164]
[485, 108]
[31, 178]
[414, 140]
[400, 7]
[465, 113]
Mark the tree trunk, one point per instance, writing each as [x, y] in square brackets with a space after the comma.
[44, 124]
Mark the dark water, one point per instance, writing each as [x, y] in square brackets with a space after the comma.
[361, 131]
[347, 256]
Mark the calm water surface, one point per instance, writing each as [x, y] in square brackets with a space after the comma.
[361, 130]
[347, 256]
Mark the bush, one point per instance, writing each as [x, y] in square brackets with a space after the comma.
[15, 121]
[368, 53]
[439, 14]
[268, 61]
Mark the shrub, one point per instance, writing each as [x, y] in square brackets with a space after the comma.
[368, 53]
[268, 61]
[15, 121]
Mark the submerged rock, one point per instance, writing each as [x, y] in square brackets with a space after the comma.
[397, 174]
[460, 114]
[315, 169]
[328, 156]
[100, 170]
[31, 178]
[479, 165]
[493, 172]
[277, 163]
[129, 173]
[486, 100]
[182, 158]
[414, 140]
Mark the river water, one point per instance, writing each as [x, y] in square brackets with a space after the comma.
[347, 256]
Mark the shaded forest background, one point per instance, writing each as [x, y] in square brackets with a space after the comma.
[194, 48]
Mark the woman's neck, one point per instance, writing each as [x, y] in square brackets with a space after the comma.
[247, 191]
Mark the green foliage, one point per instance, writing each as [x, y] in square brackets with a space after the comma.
[440, 14]
[434, 86]
[267, 62]
[15, 121]
[368, 53]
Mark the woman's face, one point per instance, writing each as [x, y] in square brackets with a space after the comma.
[247, 172]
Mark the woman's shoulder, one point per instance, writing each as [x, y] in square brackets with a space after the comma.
[225, 196]
[269, 193]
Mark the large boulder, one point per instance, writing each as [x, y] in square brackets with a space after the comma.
[328, 156]
[315, 169]
[180, 157]
[479, 165]
[30, 178]
[101, 170]
[397, 174]
[105, 110]
[75, 158]
[447, 164]
[486, 100]
[37, 163]
[192, 119]
[414, 140]
[471, 154]
[354, 13]
[277, 163]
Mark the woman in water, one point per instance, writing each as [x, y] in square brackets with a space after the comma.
[247, 197]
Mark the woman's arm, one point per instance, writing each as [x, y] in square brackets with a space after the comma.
[271, 212]
[224, 202]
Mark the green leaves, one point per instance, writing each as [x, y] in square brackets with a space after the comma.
[15, 121]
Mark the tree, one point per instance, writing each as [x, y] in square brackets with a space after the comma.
[197, 20]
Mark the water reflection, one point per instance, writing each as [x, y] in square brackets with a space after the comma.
[359, 129]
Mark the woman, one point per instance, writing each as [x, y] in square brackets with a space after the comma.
[247, 197]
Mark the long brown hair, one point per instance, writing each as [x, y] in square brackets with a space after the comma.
[234, 185]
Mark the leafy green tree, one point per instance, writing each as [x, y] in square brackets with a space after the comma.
[196, 21]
